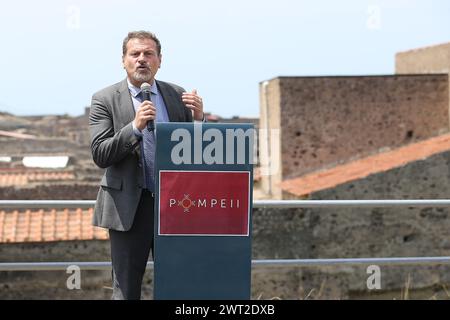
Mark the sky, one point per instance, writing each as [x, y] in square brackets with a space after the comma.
[56, 54]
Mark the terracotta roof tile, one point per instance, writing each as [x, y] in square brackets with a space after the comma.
[49, 225]
[362, 168]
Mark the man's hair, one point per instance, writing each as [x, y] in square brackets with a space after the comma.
[140, 35]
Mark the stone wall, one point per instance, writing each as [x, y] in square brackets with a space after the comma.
[329, 120]
[381, 232]
[432, 59]
[429, 60]
[52, 284]
[269, 143]
[55, 191]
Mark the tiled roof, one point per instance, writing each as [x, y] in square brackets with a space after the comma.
[49, 225]
[362, 168]
[21, 178]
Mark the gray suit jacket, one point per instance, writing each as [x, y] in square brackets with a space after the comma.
[115, 148]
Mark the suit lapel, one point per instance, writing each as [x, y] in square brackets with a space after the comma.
[125, 110]
[171, 101]
[125, 104]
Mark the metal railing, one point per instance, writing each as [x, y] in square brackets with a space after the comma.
[56, 266]
[85, 204]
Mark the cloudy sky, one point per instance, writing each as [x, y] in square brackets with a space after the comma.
[56, 54]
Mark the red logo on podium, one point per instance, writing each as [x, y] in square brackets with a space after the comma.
[204, 203]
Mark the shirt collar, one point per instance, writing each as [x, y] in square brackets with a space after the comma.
[135, 90]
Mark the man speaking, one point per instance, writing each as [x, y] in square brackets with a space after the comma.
[123, 142]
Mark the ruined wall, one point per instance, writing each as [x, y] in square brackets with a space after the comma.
[329, 120]
[269, 137]
[56, 191]
[378, 232]
[432, 59]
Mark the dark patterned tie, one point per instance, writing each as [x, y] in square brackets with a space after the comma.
[148, 147]
[149, 158]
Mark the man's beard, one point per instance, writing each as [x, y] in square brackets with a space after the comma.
[142, 76]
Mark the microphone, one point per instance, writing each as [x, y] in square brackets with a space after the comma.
[146, 95]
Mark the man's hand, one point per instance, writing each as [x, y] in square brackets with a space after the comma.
[145, 112]
[194, 102]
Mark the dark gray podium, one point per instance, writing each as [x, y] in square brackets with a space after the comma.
[203, 211]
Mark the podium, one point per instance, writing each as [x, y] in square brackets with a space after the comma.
[203, 205]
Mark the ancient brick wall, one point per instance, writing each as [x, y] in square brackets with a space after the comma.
[329, 120]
